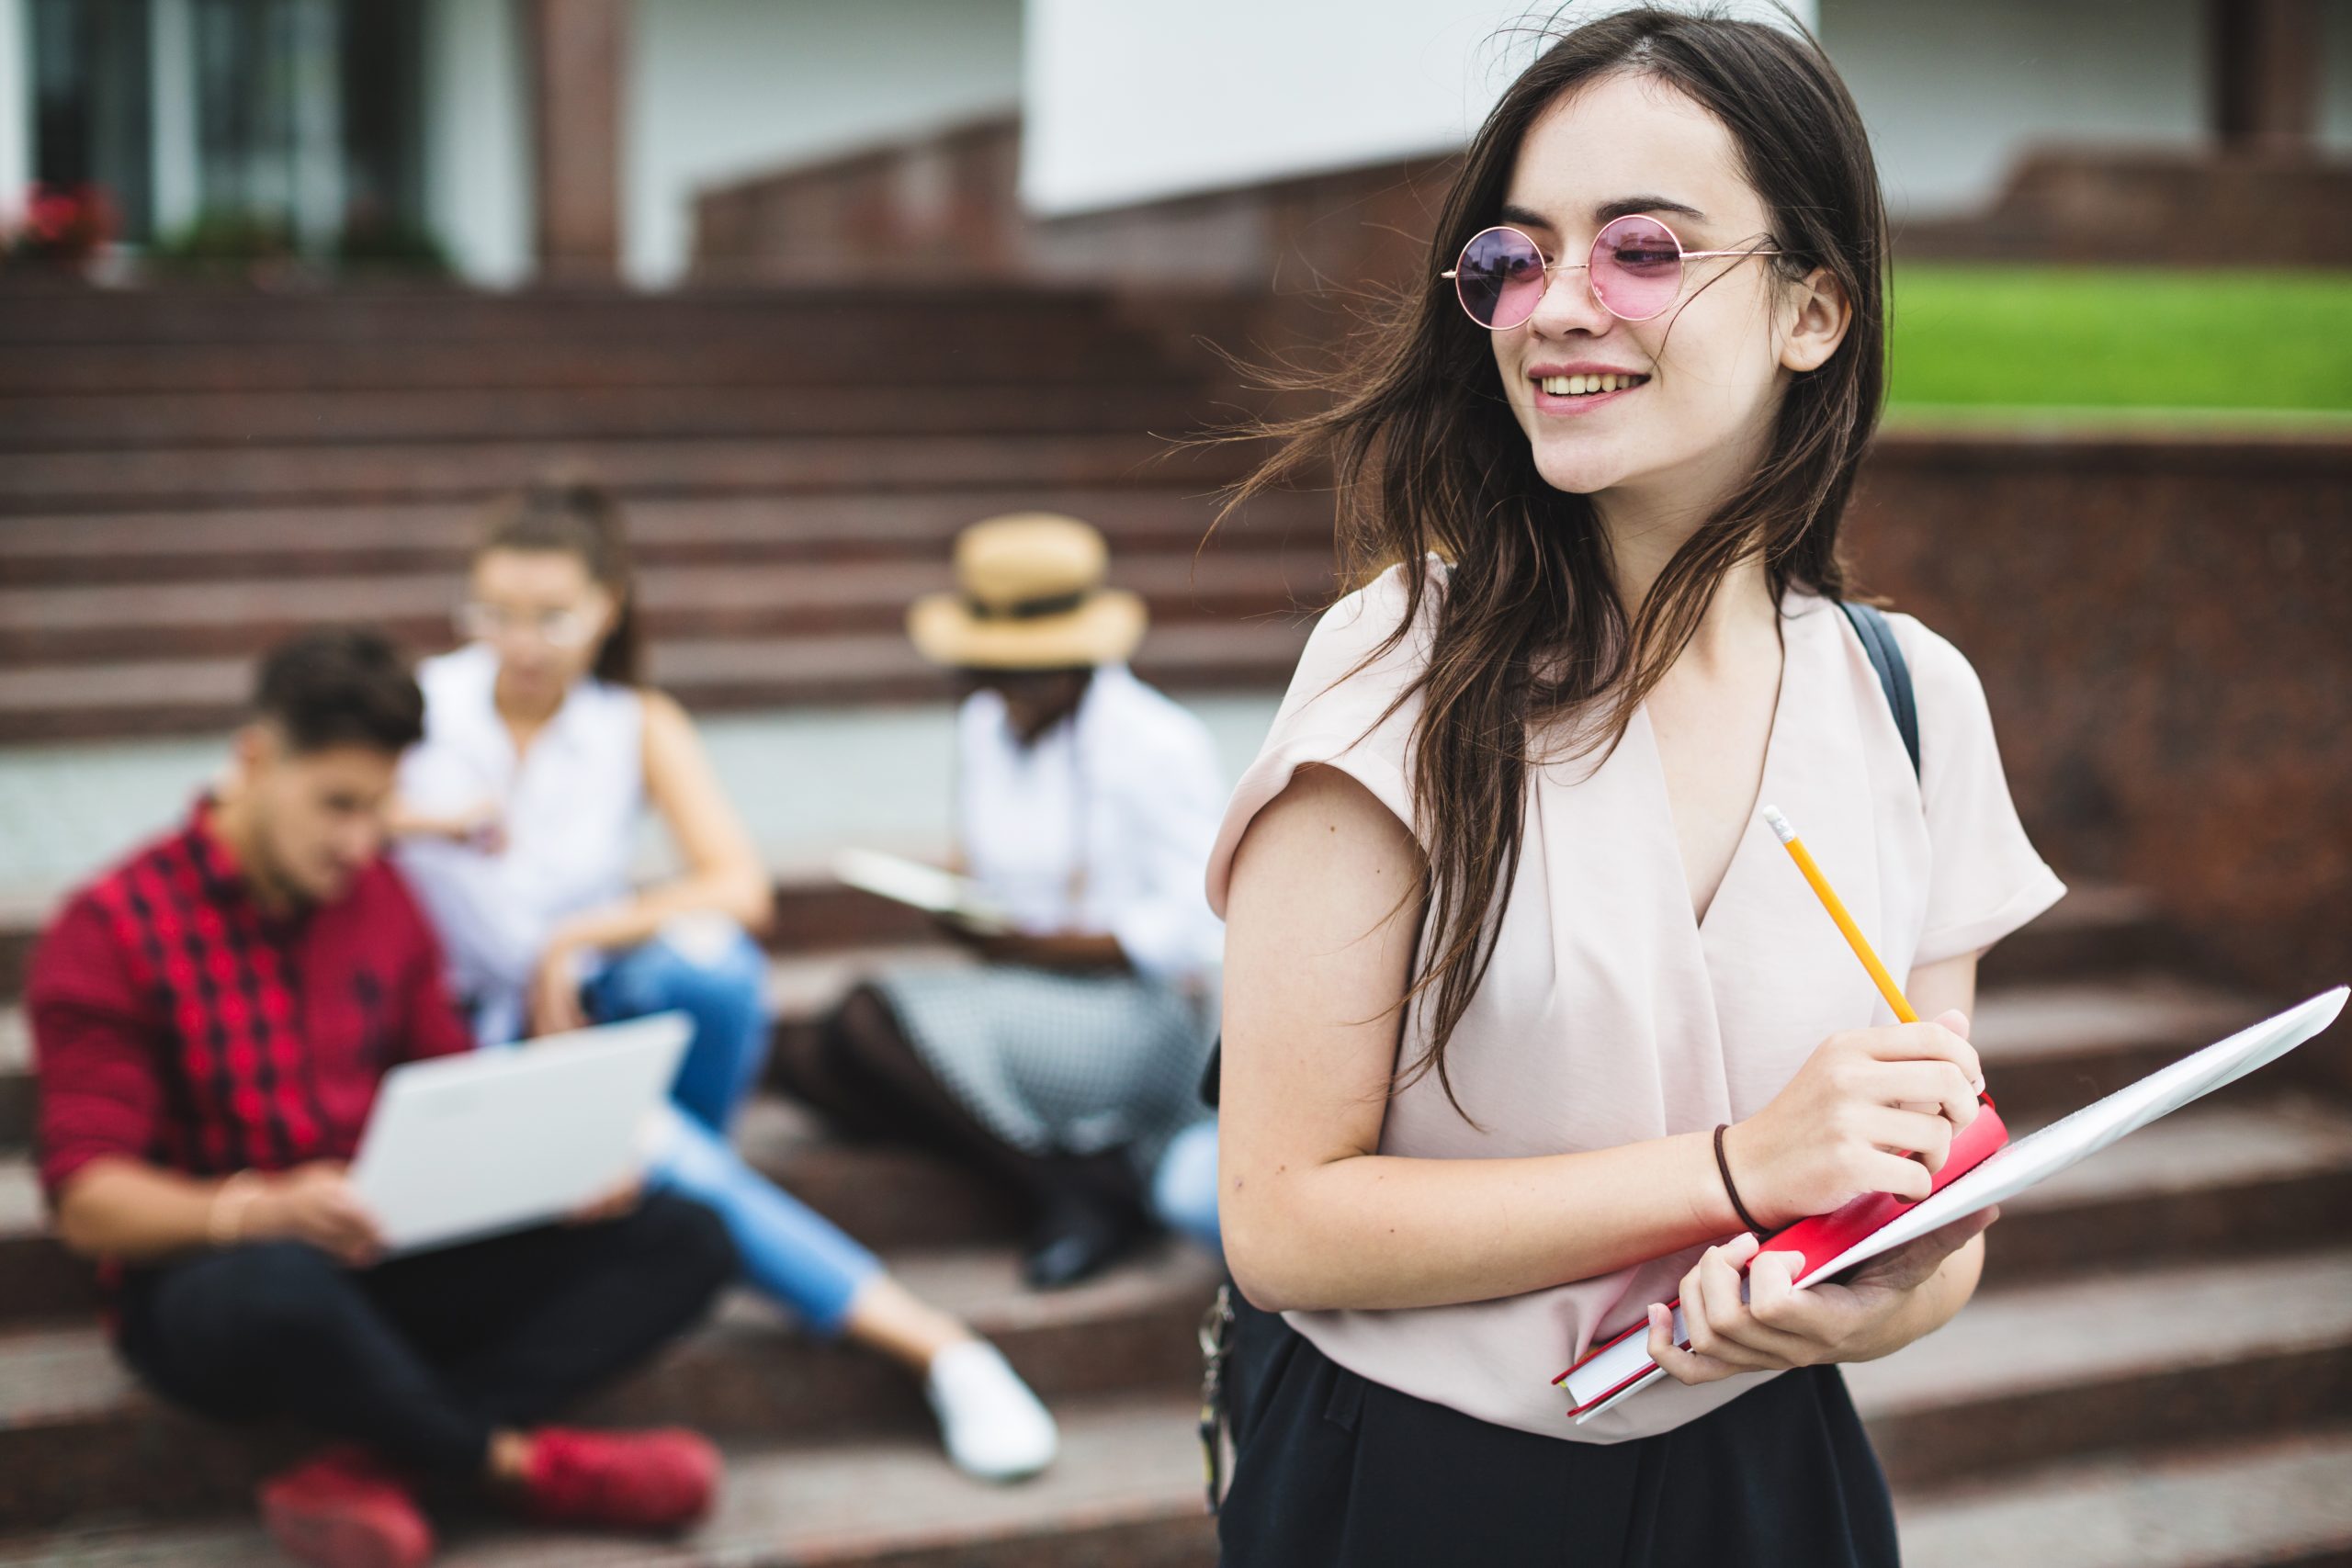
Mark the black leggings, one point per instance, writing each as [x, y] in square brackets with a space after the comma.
[1334, 1471]
[423, 1358]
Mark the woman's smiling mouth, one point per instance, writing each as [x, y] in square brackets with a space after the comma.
[1565, 391]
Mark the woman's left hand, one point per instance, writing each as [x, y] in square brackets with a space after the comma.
[555, 992]
[1780, 1326]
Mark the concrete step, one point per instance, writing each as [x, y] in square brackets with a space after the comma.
[1126, 1491]
[2175, 1352]
[454, 471]
[439, 536]
[2279, 1502]
[79, 1440]
[151, 419]
[151, 697]
[221, 616]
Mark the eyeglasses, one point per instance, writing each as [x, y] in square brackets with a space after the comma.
[1634, 271]
[564, 629]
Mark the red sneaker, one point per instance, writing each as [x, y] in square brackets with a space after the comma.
[657, 1481]
[345, 1509]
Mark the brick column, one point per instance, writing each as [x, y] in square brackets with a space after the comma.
[578, 51]
[2264, 58]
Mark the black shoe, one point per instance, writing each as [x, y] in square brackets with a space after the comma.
[1077, 1239]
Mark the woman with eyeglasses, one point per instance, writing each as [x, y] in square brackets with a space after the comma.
[544, 754]
[1067, 1061]
[1530, 1025]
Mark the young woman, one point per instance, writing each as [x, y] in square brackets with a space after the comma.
[1068, 1060]
[522, 808]
[1506, 943]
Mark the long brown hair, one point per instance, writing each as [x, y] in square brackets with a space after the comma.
[582, 519]
[1426, 455]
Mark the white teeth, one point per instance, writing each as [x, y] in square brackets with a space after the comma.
[1580, 386]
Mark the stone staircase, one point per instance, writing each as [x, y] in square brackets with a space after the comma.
[184, 478]
[2158, 1369]
[2156, 1374]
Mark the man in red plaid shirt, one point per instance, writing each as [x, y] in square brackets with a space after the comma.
[211, 1019]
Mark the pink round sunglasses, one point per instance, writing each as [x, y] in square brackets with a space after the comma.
[1634, 271]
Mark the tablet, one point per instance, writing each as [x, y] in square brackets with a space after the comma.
[466, 1146]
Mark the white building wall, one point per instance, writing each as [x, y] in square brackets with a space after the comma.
[1131, 102]
[478, 159]
[15, 110]
[1952, 93]
[2336, 111]
[721, 89]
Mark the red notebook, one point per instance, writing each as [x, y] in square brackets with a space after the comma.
[1610, 1370]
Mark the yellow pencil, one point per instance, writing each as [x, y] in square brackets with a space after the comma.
[1829, 901]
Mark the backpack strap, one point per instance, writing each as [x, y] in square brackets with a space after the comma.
[1894, 673]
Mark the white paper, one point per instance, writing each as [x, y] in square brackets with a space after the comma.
[922, 886]
[2020, 1165]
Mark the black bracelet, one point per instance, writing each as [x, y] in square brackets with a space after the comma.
[1731, 1191]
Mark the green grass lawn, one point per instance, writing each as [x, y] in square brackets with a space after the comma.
[1978, 341]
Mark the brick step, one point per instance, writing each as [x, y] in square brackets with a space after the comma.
[735, 531]
[816, 917]
[2255, 1171]
[2025, 1377]
[2093, 930]
[2280, 1502]
[2127, 1362]
[2052, 1047]
[1126, 1490]
[79, 1438]
[420, 471]
[219, 618]
[196, 695]
[173, 420]
[2223, 1181]
[344, 316]
[784, 355]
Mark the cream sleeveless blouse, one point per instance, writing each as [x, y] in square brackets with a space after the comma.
[1609, 1016]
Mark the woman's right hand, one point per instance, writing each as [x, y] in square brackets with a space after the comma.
[1843, 1124]
[314, 1204]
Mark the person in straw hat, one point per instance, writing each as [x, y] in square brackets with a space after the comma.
[1066, 1060]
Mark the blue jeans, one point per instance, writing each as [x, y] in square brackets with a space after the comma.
[1183, 1190]
[790, 1252]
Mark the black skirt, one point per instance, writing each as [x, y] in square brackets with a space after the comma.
[1334, 1471]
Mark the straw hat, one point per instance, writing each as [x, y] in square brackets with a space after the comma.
[1028, 595]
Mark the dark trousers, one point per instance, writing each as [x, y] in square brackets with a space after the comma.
[1333, 1470]
[423, 1358]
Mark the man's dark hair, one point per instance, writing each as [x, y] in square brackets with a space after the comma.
[340, 686]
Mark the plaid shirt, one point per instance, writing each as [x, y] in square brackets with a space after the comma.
[176, 1023]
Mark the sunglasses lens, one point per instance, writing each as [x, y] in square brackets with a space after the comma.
[1636, 268]
[1499, 277]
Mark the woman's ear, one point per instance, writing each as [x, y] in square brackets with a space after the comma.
[1818, 315]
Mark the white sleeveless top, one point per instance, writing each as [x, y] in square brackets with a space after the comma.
[570, 811]
[1608, 1015]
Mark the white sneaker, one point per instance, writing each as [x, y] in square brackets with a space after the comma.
[995, 1429]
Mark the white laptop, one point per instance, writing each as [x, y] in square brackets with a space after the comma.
[466, 1146]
